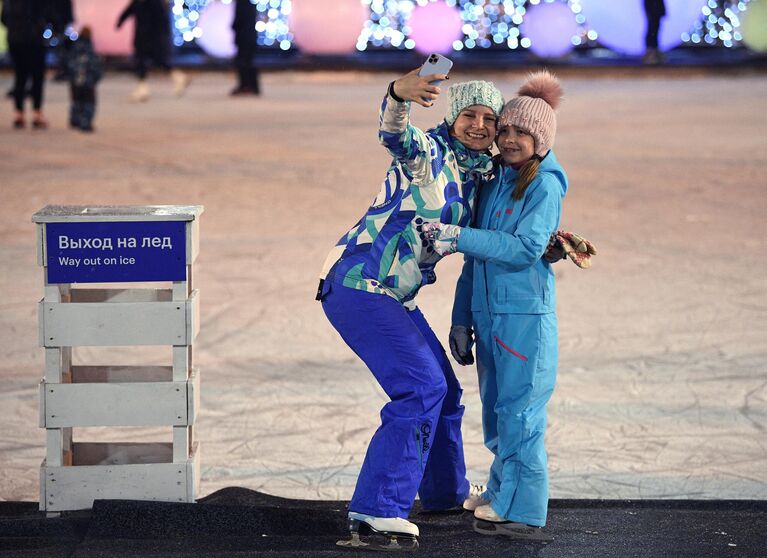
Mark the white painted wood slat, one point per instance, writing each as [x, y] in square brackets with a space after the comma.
[116, 404]
[118, 471]
[119, 323]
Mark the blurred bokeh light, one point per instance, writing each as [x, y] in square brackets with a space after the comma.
[215, 25]
[754, 26]
[320, 30]
[102, 17]
[435, 26]
[3, 37]
[550, 27]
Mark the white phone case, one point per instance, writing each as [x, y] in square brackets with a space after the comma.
[436, 64]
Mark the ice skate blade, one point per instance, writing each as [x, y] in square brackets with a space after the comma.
[525, 533]
[379, 544]
[354, 542]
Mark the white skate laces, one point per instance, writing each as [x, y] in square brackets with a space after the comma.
[475, 499]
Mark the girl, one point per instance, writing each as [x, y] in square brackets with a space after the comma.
[506, 292]
[369, 283]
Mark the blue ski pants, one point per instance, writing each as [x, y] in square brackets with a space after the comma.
[418, 448]
[517, 366]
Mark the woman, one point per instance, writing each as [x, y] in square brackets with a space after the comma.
[506, 292]
[26, 20]
[368, 288]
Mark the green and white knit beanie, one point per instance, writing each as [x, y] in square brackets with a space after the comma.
[468, 93]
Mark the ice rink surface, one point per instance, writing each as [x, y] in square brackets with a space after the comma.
[663, 343]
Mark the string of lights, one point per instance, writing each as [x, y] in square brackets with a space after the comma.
[272, 24]
[719, 25]
[488, 24]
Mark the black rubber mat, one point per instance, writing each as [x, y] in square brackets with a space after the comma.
[241, 522]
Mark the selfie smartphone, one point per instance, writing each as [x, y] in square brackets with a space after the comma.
[436, 64]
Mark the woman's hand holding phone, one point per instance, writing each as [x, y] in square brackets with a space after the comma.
[417, 88]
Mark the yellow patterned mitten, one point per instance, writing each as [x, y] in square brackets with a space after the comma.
[577, 248]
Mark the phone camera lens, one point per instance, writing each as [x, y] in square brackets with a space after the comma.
[433, 59]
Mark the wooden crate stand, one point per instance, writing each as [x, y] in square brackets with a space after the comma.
[74, 474]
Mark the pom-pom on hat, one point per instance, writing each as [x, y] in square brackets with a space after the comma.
[468, 93]
[533, 109]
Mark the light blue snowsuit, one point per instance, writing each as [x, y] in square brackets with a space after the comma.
[506, 291]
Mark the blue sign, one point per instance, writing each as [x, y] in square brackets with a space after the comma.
[116, 251]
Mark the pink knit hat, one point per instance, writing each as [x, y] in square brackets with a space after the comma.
[533, 109]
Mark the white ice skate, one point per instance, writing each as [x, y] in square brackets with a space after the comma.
[393, 534]
[475, 499]
[141, 93]
[180, 82]
[487, 522]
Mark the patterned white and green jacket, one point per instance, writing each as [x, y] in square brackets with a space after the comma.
[432, 177]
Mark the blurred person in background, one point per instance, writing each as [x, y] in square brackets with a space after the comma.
[151, 43]
[84, 73]
[25, 21]
[654, 10]
[245, 37]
